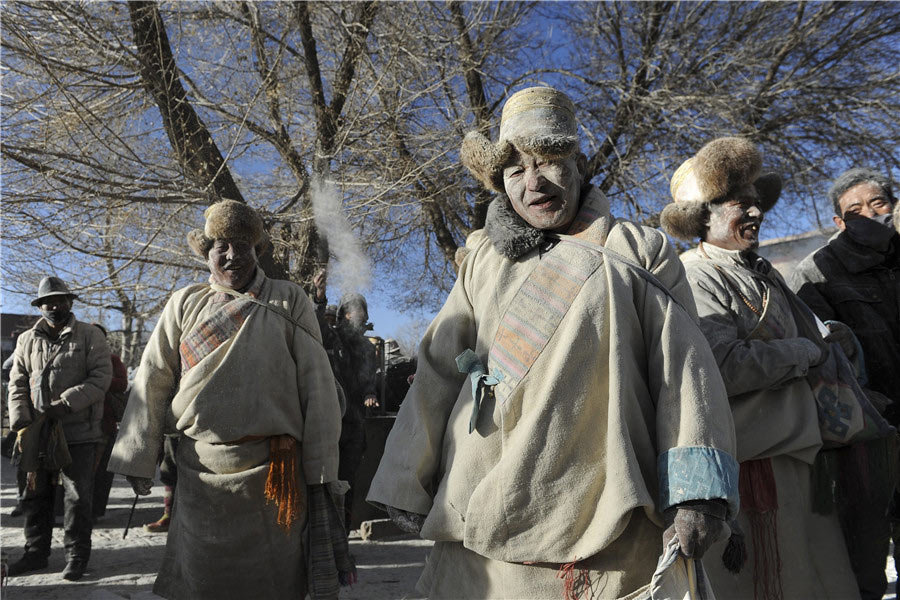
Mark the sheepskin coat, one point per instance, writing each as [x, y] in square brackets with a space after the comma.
[270, 378]
[622, 403]
[79, 376]
[764, 367]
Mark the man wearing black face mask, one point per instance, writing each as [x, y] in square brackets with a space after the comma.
[61, 370]
[356, 360]
[855, 279]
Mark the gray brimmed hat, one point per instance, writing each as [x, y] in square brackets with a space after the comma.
[52, 286]
[719, 169]
[537, 120]
[229, 220]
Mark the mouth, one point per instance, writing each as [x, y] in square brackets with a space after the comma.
[750, 230]
[543, 202]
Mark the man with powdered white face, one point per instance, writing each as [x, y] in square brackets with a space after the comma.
[772, 358]
[566, 410]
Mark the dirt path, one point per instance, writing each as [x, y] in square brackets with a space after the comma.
[126, 568]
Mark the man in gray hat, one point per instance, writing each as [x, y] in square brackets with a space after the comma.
[566, 410]
[61, 370]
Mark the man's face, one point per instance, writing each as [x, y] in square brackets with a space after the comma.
[357, 317]
[232, 263]
[734, 224]
[56, 309]
[543, 192]
[863, 200]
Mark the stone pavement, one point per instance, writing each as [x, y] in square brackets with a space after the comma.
[125, 568]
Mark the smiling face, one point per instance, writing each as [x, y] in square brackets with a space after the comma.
[734, 224]
[544, 192]
[232, 263]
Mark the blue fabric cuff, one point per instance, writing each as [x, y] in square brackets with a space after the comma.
[698, 473]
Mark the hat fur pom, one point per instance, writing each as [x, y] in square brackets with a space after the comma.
[768, 187]
[684, 220]
[726, 164]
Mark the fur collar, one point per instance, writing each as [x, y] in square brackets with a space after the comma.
[513, 237]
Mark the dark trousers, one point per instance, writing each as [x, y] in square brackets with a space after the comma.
[102, 478]
[77, 481]
[352, 445]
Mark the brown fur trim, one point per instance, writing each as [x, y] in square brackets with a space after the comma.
[232, 220]
[547, 146]
[726, 164]
[684, 220]
[768, 187]
[199, 243]
[484, 159]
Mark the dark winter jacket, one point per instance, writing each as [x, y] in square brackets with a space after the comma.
[854, 284]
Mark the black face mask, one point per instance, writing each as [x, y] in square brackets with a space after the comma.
[875, 232]
[58, 316]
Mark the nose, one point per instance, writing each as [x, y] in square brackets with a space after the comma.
[533, 180]
[754, 211]
[230, 253]
[867, 211]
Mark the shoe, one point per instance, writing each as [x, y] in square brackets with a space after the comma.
[74, 569]
[161, 526]
[28, 562]
[16, 511]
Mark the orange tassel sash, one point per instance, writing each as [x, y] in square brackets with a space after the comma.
[282, 484]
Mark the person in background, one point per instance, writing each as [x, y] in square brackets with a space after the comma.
[567, 416]
[60, 373]
[759, 333]
[855, 280]
[113, 409]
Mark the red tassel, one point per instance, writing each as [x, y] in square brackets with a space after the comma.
[574, 585]
[759, 500]
[281, 482]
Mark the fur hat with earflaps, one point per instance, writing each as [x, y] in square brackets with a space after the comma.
[229, 220]
[537, 120]
[719, 169]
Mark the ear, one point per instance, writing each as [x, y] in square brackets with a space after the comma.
[581, 165]
[839, 222]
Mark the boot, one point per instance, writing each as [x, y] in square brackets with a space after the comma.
[29, 562]
[162, 525]
[75, 569]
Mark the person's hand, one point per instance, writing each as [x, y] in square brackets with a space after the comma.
[319, 281]
[371, 402]
[57, 409]
[140, 485]
[843, 336]
[697, 526]
[409, 522]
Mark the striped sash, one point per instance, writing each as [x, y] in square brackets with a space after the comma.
[543, 300]
[217, 328]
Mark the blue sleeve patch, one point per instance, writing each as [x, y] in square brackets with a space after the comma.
[697, 473]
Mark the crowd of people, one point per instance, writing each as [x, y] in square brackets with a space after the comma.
[585, 402]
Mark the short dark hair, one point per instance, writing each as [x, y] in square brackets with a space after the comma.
[852, 178]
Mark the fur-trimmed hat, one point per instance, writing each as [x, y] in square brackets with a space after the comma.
[537, 120]
[720, 168]
[229, 220]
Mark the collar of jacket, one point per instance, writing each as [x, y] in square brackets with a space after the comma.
[857, 258]
[43, 329]
[513, 237]
[746, 259]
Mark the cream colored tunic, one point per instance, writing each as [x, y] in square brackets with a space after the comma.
[775, 417]
[270, 378]
[555, 473]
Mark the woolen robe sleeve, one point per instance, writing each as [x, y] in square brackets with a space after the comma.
[141, 431]
[746, 365]
[412, 453]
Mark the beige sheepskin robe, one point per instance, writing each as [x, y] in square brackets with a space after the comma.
[775, 417]
[622, 415]
[270, 378]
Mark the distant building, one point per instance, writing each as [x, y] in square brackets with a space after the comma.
[785, 252]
